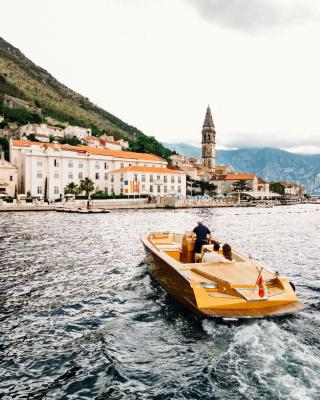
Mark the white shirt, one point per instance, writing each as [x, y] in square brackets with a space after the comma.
[214, 257]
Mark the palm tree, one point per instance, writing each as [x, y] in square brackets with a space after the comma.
[71, 188]
[87, 186]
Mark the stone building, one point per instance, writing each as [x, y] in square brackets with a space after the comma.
[49, 168]
[14, 102]
[8, 176]
[208, 141]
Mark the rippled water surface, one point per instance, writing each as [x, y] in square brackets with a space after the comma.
[82, 319]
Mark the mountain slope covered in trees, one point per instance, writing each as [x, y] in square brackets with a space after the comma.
[20, 77]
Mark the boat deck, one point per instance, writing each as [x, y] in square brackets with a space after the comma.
[236, 274]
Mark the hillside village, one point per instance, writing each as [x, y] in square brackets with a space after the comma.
[53, 158]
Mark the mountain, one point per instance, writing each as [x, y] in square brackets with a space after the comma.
[20, 77]
[186, 149]
[268, 163]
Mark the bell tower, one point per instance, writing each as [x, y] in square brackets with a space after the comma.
[208, 141]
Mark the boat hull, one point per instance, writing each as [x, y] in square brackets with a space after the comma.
[172, 281]
[188, 284]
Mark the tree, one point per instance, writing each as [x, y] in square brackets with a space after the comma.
[207, 188]
[5, 147]
[86, 185]
[72, 140]
[46, 189]
[276, 187]
[194, 186]
[240, 186]
[71, 188]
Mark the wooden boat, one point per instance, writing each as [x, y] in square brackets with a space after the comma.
[227, 290]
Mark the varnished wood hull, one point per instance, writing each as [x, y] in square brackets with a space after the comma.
[182, 282]
[172, 281]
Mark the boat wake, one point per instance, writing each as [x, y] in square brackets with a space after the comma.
[269, 357]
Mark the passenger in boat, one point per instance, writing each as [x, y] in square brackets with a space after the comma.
[203, 236]
[214, 256]
[227, 252]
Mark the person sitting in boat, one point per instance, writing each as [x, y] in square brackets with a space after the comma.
[227, 252]
[202, 235]
[214, 256]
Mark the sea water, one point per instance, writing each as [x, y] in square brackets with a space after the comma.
[80, 317]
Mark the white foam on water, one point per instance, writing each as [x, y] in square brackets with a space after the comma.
[273, 355]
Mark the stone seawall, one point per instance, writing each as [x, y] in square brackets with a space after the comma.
[120, 204]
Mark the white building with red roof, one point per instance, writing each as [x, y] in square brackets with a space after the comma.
[49, 168]
[226, 183]
[137, 179]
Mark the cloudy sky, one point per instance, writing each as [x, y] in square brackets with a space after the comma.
[157, 64]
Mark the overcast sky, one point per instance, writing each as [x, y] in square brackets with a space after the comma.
[157, 64]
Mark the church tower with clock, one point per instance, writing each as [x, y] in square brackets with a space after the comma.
[208, 159]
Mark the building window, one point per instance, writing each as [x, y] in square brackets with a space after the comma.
[121, 178]
[143, 178]
[80, 175]
[11, 178]
[172, 188]
[143, 188]
[105, 165]
[39, 189]
[121, 165]
[70, 175]
[97, 165]
[56, 175]
[112, 178]
[151, 188]
[56, 190]
[55, 163]
[165, 179]
[179, 189]
[172, 179]
[70, 164]
[39, 163]
[151, 178]
[135, 177]
[106, 190]
[158, 188]
[158, 177]
[106, 176]
[165, 189]
[80, 165]
[97, 175]
[39, 174]
[179, 179]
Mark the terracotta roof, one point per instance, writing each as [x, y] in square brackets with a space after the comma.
[90, 138]
[235, 177]
[221, 167]
[140, 168]
[260, 180]
[41, 135]
[92, 150]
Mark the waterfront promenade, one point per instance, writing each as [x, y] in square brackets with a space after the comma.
[161, 202]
